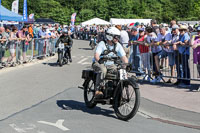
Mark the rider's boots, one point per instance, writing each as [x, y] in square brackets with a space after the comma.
[98, 92]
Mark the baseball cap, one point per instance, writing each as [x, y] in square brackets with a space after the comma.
[175, 27]
[136, 24]
[183, 27]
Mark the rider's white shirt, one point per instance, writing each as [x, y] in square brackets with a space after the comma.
[101, 47]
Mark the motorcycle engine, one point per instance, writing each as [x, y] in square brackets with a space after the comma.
[109, 89]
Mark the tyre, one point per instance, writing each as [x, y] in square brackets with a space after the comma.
[66, 60]
[89, 93]
[92, 46]
[127, 101]
[66, 57]
[60, 59]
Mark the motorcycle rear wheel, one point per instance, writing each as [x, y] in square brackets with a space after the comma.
[89, 90]
[127, 101]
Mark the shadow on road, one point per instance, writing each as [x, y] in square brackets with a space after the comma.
[54, 64]
[194, 87]
[85, 48]
[76, 105]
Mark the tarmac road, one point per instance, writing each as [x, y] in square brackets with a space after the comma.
[44, 98]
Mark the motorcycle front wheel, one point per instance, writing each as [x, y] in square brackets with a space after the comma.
[60, 59]
[127, 101]
[89, 92]
[92, 45]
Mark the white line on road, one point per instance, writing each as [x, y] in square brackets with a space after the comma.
[58, 124]
[81, 61]
[90, 56]
[86, 63]
[26, 128]
[16, 128]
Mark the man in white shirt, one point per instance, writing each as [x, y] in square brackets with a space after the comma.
[124, 39]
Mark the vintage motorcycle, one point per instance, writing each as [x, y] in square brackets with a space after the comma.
[119, 90]
[63, 56]
[93, 41]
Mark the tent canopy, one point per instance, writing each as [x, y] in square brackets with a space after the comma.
[96, 21]
[117, 21]
[7, 15]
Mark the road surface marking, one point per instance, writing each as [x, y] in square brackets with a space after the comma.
[18, 129]
[86, 63]
[58, 124]
[25, 129]
[90, 56]
[81, 61]
[143, 115]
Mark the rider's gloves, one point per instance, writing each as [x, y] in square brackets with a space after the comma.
[100, 61]
[128, 67]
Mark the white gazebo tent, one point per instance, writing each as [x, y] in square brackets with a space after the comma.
[117, 21]
[96, 21]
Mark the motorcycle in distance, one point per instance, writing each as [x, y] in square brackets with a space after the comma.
[63, 56]
[93, 41]
[119, 90]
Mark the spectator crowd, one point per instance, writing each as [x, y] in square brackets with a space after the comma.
[15, 42]
[150, 48]
[155, 47]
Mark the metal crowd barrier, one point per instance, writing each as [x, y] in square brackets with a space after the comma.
[33, 49]
[184, 66]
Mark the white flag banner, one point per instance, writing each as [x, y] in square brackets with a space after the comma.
[15, 6]
[31, 16]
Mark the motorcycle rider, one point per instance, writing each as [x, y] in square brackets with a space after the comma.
[111, 48]
[67, 40]
[93, 34]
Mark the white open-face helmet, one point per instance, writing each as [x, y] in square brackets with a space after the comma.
[112, 33]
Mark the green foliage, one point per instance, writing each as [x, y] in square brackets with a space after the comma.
[61, 10]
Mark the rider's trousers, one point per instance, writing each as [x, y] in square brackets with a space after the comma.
[101, 70]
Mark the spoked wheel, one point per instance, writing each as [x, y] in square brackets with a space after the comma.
[60, 58]
[66, 58]
[92, 46]
[127, 101]
[89, 93]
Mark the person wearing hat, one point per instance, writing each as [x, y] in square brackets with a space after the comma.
[162, 40]
[68, 42]
[195, 42]
[149, 41]
[183, 56]
[144, 52]
[137, 25]
[172, 53]
[135, 58]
